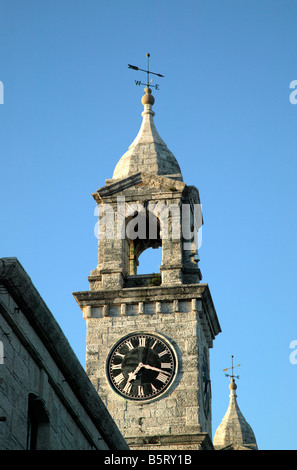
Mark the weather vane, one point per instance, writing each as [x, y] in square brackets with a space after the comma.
[148, 72]
[232, 367]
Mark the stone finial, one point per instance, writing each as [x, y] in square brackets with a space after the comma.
[232, 385]
[147, 97]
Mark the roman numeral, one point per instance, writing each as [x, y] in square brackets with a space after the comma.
[119, 378]
[119, 354]
[141, 341]
[166, 365]
[140, 391]
[116, 366]
[130, 345]
[127, 387]
[162, 353]
[162, 377]
[152, 347]
[154, 389]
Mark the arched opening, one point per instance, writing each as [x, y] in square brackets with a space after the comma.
[143, 244]
[150, 261]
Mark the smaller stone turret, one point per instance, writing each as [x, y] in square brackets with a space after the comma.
[234, 433]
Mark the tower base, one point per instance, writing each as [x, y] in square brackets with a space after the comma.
[200, 441]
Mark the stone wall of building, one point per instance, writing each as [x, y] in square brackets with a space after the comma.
[46, 399]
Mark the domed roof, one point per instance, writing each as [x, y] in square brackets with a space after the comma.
[148, 152]
[234, 431]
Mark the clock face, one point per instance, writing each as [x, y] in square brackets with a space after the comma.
[141, 366]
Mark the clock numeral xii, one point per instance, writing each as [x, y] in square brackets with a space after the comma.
[141, 341]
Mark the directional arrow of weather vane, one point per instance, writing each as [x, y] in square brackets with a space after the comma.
[232, 367]
[148, 72]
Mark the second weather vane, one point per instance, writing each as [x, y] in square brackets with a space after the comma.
[232, 367]
[148, 72]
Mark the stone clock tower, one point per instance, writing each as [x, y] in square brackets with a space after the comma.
[148, 336]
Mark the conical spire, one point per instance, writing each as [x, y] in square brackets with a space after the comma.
[234, 432]
[148, 152]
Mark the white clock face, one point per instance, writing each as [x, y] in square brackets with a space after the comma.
[141, 366]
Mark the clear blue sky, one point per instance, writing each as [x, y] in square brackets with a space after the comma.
[71, 109]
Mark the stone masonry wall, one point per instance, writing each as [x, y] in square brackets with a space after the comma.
[27, 367]
[177, 412]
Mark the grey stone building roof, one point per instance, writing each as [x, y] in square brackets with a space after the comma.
[234, 432]
[148, 152]
[21, 288]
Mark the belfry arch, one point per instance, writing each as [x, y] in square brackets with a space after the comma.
[147, 235]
